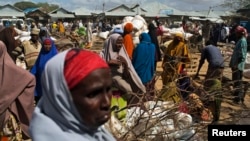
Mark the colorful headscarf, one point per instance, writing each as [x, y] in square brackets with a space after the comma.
[128, 39]
[79, 58]
[241, 30]
[128, 28]
[179, 35]
[47, 41]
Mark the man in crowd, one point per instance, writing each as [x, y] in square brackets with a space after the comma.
[213, 78]
[215, 60]
[30, 48]
[237, 64]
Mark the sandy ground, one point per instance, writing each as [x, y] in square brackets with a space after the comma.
[230, 113]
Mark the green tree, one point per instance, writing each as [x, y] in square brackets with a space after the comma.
[48, 7]
[45, 7]
[25, 4]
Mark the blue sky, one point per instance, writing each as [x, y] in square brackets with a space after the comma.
[97, 4]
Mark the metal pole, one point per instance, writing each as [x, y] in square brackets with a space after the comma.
[103, 7]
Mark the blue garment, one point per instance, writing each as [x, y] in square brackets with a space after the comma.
[38, 67]
[144, 58]
[239, 54]
[213, 56]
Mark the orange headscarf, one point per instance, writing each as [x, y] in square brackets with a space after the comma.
[128, 39]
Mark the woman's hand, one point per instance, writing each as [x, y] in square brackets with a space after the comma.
[114, 62]
[123, 61]
[125, 73]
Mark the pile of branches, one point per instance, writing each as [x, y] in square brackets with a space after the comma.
[156, 119]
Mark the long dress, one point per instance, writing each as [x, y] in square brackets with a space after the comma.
[39, 66]
[176, 56]
[144, 62]
[128, 39]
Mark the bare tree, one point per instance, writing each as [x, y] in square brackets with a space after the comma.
[236, 4]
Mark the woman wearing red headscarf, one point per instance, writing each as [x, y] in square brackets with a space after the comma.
[76, 99]
[48, 51]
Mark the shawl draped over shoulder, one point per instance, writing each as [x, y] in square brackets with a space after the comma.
[56, 117]
[16, 91]
[144, 58]
[108, 53]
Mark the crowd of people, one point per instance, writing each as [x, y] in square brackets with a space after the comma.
[71, 91]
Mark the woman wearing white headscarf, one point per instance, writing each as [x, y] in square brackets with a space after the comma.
[123, 72]
[76, 99]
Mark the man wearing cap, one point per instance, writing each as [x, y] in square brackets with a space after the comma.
[31, 48]
[237, 64]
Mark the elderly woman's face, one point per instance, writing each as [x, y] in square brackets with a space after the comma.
[119, 44]
[92, 98]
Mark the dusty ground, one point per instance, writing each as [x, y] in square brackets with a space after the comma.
[230, 113]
